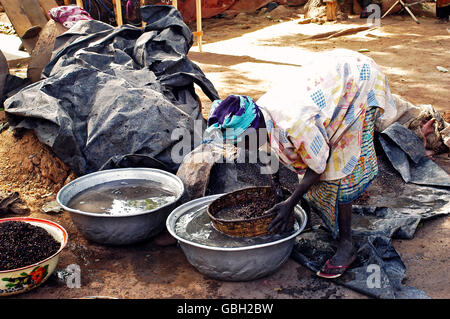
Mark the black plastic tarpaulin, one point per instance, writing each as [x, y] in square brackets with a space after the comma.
[406, 153]
[109, 92]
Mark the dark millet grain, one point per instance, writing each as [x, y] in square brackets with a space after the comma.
[23, 244]
[247, 210]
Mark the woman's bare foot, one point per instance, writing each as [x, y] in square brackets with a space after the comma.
[345, 254]
[340, 262]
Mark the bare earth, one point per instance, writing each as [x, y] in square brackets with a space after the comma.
[257, 53]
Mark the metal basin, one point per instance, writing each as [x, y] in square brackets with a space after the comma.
[122, 229]
[234, 264]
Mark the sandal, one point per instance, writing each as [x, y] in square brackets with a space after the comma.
[329, 271]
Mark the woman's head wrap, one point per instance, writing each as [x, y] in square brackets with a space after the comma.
[233, 116]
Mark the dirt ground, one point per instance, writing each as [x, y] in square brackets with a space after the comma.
[259, 52]
[247, 55]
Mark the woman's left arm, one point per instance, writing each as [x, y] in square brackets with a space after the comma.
[281, 220]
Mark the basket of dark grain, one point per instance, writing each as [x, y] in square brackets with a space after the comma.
[243, 213]
[29, 252]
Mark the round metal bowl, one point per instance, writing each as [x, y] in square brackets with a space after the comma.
[19, 280]
[125, 229]
[234, 264]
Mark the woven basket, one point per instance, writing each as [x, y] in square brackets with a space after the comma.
[251, 227]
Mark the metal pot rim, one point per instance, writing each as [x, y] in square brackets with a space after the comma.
[171, 230]
[71, 210]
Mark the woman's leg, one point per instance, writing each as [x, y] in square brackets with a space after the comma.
[345, 253]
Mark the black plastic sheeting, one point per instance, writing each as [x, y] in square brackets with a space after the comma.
[12, 85]
[406, 152]
[109, 92]
[377, 272]
[390, 209]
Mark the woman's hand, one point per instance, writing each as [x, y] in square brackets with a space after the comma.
[285, 208]
[281, 221]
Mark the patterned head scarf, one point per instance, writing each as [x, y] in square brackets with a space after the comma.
[233, 116]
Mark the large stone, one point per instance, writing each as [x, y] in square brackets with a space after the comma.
[280, 12]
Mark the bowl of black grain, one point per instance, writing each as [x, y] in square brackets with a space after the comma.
[29, 252]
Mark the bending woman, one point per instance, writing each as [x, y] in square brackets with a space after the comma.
[320, 124]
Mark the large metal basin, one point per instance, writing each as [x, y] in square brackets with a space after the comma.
[126, 229]
[234, 264]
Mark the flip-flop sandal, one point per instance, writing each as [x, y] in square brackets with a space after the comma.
[325, 271]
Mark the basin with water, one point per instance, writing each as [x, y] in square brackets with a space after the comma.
[121, 206]
[224, 257]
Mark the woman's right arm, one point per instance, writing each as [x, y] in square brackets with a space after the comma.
[285, 208]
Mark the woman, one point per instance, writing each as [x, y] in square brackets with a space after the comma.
[320, 124]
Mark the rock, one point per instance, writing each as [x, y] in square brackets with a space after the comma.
[441, 69]
[342, 16]
[280, 12]
[52, 207]
[241, 18]
[229, 14]
[12, 203]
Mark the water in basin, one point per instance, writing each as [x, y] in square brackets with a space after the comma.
[122, 197]
[196, 227]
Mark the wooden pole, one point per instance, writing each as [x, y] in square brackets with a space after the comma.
[175, 4]
[198, 6]
[118, 12]
[143, 4]
[80, 3]
[66, 2]
[46, 5]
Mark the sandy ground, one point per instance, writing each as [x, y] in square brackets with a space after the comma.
[257, 53]
[256, 59]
